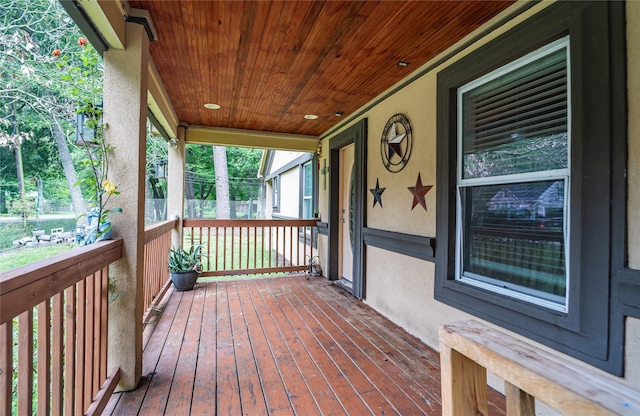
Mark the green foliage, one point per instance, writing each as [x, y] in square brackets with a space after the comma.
[23, 207]
[46, 70]
[182, 260]
[242, 166]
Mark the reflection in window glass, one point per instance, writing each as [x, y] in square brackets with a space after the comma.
[513, 175]
[307, 191]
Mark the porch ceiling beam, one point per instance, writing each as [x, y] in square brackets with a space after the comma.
[108, 18]
[159, 103]
[250, 138]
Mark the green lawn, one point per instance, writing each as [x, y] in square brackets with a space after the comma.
[26, 255]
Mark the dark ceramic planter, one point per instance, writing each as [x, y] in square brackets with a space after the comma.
[184, 280]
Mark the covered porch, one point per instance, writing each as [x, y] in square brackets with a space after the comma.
[280, 79]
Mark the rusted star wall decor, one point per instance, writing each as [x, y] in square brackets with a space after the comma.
[396, 143]
[377, 194]
[419, 191]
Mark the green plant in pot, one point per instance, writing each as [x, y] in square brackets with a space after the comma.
[185, 266]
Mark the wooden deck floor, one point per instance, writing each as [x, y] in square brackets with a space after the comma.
[282, 346]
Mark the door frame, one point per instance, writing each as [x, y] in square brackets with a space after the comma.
[356, 134]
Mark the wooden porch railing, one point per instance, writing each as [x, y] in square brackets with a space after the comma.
[157, 242]
[469, 349]
[235, 247]
[57, 309]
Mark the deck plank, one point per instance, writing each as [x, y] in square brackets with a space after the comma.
[304, 357]
[282, 346]
[155, 400]
[340, 385]
[275, 393]
[370, 346]
[204, 390]
[227, 387]
[179, 402]
[298, 391]
[251, 394]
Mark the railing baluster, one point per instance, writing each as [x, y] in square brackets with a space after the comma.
[88, 341]
[69, 348]
[224, 249]
[248, 246]
[240, 249]
[208, 248]
[233, 239]
[25, 362]
[262, 247]
[291, 245]
[104, 316]
[270, 250]
[44, 369]
[97, 346]
[57, 353]
[255, 247]
[217, 246]
[80, 347]
[6, 365]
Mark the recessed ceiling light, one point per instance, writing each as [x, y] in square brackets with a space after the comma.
[311, 117]
[338, 114]
[403, 63]
[212, 106]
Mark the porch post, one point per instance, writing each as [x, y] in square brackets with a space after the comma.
[125, 115]
[175, 185]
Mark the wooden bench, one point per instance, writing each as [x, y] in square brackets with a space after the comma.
[468, 349]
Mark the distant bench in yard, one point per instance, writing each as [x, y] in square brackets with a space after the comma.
[468, 349]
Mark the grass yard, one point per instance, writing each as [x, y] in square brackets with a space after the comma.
[19, 257]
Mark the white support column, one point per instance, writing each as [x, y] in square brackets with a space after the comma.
[125, 115]
[175, 185]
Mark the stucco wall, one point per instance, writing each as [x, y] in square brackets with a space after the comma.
[401, 287]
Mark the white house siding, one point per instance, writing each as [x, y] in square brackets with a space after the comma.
[401, 287]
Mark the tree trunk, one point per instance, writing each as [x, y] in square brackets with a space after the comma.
[79, 206]
[189, 192]
[222, 182]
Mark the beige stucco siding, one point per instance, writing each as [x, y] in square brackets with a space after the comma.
[401, 287]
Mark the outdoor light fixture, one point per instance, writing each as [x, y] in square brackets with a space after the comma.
[403, 63]
[311, 117]
[161, 169]
[338, 113]
[212, 106]
[85, 135]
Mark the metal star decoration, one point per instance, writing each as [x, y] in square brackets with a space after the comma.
[419, 193]
[377, 194]
[394, 142]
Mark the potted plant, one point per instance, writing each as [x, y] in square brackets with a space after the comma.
[185, 266]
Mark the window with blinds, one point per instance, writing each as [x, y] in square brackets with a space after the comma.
[514, 178]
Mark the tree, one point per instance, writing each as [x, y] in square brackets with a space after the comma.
[43, 71]
[222, 182]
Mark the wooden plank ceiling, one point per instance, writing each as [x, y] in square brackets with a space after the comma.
[268, 63]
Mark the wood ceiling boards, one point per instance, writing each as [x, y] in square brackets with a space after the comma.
[268, 63]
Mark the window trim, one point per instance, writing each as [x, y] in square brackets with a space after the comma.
[275, 193]
[584, 331]
[490, 283]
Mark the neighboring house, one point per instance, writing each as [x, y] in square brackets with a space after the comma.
[291, 184]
